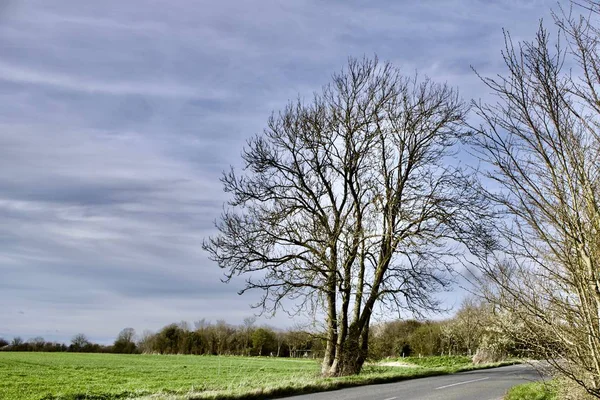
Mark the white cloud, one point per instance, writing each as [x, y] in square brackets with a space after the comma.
[19, 74]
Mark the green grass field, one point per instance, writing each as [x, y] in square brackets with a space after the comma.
[70, 376]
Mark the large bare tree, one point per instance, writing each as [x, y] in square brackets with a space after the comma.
[542, 142]
[348, 204]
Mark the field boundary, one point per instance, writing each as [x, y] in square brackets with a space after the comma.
[325, 385]
[79, 376]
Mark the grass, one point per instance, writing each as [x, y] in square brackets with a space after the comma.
[72, 376]
[439, 362]
[532, 391]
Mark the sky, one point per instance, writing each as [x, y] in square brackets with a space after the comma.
[118, 117]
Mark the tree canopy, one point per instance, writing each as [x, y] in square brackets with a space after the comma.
[351, 202]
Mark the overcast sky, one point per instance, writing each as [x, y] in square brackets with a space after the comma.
[117, 118]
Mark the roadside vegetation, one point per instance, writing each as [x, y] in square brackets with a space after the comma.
[533, 391]
[439, 362]
[539, 143]
[559, 388]
[70, 376]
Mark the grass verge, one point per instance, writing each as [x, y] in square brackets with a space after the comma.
[371, 375]
[533, 391]
[439, 361]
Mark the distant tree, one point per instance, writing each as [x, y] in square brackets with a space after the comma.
[146, 342]
[125, 342]
[498, 336]
[203, 330]
[392, 339]
[127, 335]
[37, 343]
[3, 342]
[298, 341]
[222, 332]
[462, 333]
[38, 340]
[168, 339]
[54, 347]
[280, 337]
[79, 342]
[17, 341]
[248, 329]
[263, 341]
[426, 340]
[196, 343]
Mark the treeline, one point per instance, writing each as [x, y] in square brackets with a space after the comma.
[206, 338]
[225, 339]
[40, 344]
[476, 330]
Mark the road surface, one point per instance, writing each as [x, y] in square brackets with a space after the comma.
[487, 384]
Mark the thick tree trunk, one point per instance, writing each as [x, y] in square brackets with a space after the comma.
[352, 357]
[351, 353]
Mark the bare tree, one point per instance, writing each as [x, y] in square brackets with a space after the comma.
[248, 330]
[79, 341]
[348, 203]
[541, 141]
[125, 342]
[145, 342]
[37, 343]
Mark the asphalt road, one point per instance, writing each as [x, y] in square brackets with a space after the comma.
[488, 384]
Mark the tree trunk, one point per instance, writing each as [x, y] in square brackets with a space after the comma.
[329, 356]
[352, 357]
[332, 325]
[350, 354]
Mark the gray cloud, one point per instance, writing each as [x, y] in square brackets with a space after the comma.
[118, 117]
